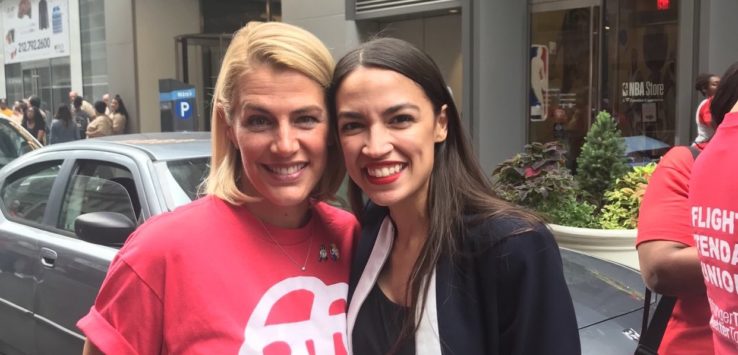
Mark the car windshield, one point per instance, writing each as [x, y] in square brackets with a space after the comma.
[182, 179]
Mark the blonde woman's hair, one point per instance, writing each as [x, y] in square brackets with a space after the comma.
[283, 47]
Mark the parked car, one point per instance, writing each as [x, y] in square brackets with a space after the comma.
[50, 271]
[14, 141]
[67, 208]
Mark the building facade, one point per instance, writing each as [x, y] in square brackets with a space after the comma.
[94, 47]
[521, 71]
[540, 70]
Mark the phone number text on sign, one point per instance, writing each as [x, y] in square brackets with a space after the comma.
[34, 45]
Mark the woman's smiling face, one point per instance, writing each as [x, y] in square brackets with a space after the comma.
[388, 130]
[280, 127]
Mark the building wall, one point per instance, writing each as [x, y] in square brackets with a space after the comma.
[718, 48]
[121, 61]
[327, 20]
[498, 61]
[440, 37]
[156, 23]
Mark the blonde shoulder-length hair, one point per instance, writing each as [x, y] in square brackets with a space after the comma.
[283, 47]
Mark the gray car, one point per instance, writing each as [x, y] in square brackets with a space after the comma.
[66, 209]
[52, 267]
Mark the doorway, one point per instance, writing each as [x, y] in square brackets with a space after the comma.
[564, 72]
[198, 63]
[49, 79]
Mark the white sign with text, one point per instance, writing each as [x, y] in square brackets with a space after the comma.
[35, 29]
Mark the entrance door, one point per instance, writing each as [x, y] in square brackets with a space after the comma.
[198, 61]
[564, 53]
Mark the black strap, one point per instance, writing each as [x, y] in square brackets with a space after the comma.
[651, 337]
[695, 151]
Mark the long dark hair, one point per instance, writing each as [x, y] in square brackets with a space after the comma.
[726, 95]
[64, 114]
[458, 185]
[37, 118]
[121, 106]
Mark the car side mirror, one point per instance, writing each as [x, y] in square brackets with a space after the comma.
[106, 228]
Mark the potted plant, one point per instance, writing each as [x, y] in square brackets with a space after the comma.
[594, 212]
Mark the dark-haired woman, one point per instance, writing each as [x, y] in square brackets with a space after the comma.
[118, 114]
[35, 124]
[706, 85]
[63, 128]
[443, 266]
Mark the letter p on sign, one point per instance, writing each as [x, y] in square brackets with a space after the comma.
[184, 109]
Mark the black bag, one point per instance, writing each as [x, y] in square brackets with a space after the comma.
[651, 334]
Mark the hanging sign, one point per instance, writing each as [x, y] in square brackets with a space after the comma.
[35, 29]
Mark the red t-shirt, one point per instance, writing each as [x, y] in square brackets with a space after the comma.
[664, 215]
[713, 199]
[206, 279]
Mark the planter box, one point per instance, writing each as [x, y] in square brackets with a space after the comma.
[616, 245]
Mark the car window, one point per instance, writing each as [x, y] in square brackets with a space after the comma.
[12, 144]
[189, 175]
[25, 193]
[99, 187]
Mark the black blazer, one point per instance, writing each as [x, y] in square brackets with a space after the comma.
[504, 294]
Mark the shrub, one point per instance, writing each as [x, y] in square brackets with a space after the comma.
[538, 179]
[602, 159]
[624, 199]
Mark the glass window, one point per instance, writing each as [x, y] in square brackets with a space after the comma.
[639, 73]
[94, 54]
[562, 55]
[25, 194]
[99, 187]
[49, 79]
[184, 178]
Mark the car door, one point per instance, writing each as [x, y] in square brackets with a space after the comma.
[24, 197]
[71, 278]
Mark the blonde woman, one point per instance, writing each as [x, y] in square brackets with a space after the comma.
[258, 265]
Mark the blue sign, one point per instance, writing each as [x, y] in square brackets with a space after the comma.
[183, 109]
[177, 95]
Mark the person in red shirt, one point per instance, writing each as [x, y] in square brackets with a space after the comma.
[713, 200]
[707, 85]
[242, 270]
[666, 248]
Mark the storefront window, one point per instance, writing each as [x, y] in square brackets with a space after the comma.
[49, 79]
[631, 75]
[563, 81]
[94, 54]
[639, 73]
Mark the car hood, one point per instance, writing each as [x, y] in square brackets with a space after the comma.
[615, 336]
[602, 290]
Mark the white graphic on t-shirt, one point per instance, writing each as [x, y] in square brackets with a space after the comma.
[319, 329]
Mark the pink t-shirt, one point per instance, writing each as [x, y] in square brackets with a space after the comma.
[664, 215]
[713, 197]
[206, 279]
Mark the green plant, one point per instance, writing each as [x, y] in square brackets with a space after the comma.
[538, 179]
[620, 210]
[569, 211]
[602, 159]
[534, 176]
